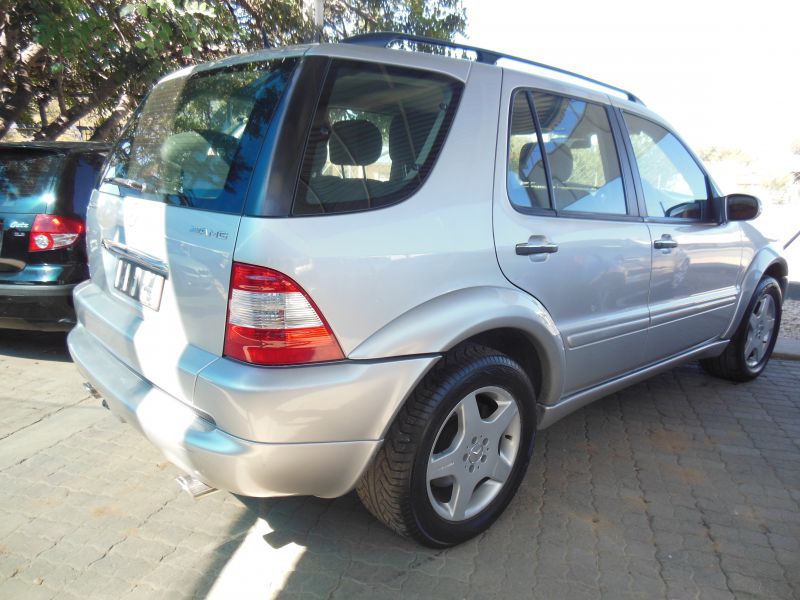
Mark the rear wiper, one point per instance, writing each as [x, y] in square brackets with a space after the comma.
[124, 182]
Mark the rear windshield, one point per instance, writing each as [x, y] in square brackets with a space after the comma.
[27, 180]
[193, 141]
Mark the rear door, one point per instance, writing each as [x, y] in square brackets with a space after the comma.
[162, 226]
[696, 260]
[567, 232]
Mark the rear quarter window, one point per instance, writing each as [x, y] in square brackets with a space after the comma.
[85, 176]
[375, 136]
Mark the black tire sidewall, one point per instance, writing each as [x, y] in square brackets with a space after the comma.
[494, 370]
[767, 286]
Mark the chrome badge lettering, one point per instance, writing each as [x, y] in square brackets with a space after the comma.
[210, 233]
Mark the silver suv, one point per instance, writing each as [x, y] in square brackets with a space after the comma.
[345, 266]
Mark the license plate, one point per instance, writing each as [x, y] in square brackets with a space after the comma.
[139, 283]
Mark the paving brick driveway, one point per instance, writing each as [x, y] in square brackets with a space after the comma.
[681, 487]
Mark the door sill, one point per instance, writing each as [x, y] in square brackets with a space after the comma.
[547, 415]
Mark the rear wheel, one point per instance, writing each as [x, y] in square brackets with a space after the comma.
[457, 451]
[750, 349]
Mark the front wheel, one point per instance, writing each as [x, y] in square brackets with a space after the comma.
[457, 451]
[749, 351]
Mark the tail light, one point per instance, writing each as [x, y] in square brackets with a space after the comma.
[50, 232]
[272, 321]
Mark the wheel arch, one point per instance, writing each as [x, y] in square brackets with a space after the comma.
[505, 319]
[767, 261]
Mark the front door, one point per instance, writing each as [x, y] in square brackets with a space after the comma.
[567, 233]
[696, 261]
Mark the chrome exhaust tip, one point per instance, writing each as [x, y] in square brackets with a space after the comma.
[194, 487]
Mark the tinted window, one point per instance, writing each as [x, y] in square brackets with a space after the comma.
[673, 184]
[194, 140]
[375, 136]
[527, 183]
[87, 170]
[581, 155]
[27, 180]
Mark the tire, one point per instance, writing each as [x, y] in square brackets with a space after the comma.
[474, 415]
[751, 347]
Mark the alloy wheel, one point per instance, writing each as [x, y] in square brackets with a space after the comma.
[473, 453]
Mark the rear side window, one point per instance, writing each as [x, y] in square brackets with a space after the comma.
[581, 156]
[87, 170]
[375, 137]
[527, 182]
[194, 140]
[27, 180]
[674, 185]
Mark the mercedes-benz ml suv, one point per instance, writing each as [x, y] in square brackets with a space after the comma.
[345, 266]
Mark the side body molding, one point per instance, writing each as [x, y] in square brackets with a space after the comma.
[764, 259]
[442, 322]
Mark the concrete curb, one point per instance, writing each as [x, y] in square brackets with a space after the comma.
[787, 349]
[793, 292]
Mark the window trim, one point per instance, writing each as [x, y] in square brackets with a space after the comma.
[711, 216]
[632, 210]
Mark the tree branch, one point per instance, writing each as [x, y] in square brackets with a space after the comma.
[108, 128]
[77, 111]
[16, 103]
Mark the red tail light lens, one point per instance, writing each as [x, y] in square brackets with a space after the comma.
[50, 232]
[272, 321]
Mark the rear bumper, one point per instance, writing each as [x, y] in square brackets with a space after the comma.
[194, 442]
[42, 307]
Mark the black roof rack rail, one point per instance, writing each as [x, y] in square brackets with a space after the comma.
[384, 39]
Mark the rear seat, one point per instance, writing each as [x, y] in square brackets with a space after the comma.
[359, 143]
[352, 143]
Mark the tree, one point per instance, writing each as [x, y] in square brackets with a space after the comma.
[98, 57]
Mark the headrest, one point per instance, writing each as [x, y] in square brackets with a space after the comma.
[407, 135]
[560, 163]
[356, 142]
[319, 159]
[177, 147]
[528, 161]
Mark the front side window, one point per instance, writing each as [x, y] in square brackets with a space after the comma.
[581, 156]
[375, 136]
[193, 141]
[674, 185]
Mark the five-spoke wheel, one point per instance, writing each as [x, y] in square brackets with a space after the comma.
[457, 451]
[760, 329]
[473, 454]
[750, 348]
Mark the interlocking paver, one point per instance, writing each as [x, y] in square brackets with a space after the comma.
[682, 486]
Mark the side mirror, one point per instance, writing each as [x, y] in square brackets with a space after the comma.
[739, 207]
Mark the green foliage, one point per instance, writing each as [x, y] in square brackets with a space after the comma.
[94, 51]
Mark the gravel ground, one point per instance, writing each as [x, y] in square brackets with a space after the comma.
[790, 321]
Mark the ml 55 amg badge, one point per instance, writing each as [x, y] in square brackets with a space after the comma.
[209, 233]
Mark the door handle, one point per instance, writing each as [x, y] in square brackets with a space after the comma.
[528, 249]
[665, 242]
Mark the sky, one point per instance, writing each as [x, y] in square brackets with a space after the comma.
[722, 73]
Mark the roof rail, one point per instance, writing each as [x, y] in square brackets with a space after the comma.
[384, 39]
